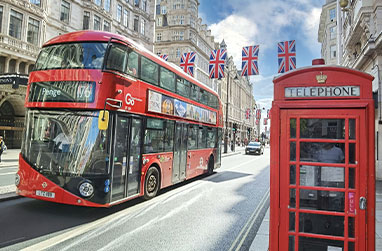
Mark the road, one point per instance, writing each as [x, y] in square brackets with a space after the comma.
[218, 212]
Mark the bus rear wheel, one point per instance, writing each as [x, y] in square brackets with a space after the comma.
[151, 183]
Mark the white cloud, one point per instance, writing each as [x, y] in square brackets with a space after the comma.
[266, 23]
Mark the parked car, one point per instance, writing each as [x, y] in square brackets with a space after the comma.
[254, 147]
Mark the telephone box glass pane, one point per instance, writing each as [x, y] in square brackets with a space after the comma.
[351, 246]
[292, 198]
[322, 176]
[321, 224]
[352, 157]
[292, 175]
[316, 244]
[351, 224]
[351, 128]
[291, 243]
[322, 200]
[292, 151]
[291, 221]
[351, 178]
[322, 152]
[293, 128]
[322, 128]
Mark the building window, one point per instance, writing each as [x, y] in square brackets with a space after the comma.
[136, 20]
[333, 51]
[119, 13]
[98, 2]
[333, 32]
[332, 14]
[106, 5]
[125, 18]
[178, 53]
[159, 21]
[106, 25]
[144, 5]
[15, 24]
[97, 23]
[142, 26]
[181, 19]
[136, 3]
[159, 36]
[164, 10]
[35, 2]
[33, 31]
[1, 17]
[65, 8]
[86, 21]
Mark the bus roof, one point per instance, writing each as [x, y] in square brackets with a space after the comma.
[91, 35]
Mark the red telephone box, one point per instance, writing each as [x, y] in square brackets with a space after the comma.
[322, 161]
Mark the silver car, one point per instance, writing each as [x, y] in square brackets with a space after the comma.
[254, 147]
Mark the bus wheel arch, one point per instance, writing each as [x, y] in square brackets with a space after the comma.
[211, 164]
[152, 182]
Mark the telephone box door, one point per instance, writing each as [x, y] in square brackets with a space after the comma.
[324, 207]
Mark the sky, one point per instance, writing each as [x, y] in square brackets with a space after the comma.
[265, 23]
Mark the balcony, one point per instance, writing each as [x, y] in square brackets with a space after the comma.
[15, 45]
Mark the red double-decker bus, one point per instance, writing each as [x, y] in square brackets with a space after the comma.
[108, 121]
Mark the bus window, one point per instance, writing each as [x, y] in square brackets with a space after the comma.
[132, 63]
[149, 71]
[182, 87]
[167, 79]
[211, 137]
[192, 137]
[204, 97]
[169, 136]
[202, 141]
[116, 59]
[154, 136]
[195, 90]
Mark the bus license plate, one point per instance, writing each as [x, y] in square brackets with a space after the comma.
[45, 194]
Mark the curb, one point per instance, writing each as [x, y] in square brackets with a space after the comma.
[230, 154]
[9, 196]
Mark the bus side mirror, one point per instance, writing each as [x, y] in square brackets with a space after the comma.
[103, 120]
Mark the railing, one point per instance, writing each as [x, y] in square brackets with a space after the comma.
[28, 48]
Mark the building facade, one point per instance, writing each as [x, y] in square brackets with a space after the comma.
[236, 92]
[359, 46]
[26, 25]
[178, 30]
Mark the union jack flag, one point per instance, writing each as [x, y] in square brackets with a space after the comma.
[257, 121]
[217, 61]
[258, 114]
[164, 56]
[187, 62]
[286, 56]
[248, 113]
[265, 121]
[250, 55]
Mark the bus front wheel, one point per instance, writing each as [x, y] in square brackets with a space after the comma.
[151, 183]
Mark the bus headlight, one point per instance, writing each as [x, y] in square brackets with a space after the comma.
[86, 189]
[17, 179]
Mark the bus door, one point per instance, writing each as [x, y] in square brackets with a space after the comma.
[127, 155]
[180, 153]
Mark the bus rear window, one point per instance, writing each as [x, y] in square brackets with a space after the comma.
[71, 56]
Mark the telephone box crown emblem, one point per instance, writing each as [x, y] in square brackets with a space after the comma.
[321, 79]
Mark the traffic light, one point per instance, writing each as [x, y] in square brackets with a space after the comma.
[234, 127]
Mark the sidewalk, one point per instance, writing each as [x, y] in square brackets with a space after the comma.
[261, 241]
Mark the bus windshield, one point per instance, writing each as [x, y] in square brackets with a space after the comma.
[87, 55]
[66, 143]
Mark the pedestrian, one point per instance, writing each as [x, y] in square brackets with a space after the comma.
[3, 147]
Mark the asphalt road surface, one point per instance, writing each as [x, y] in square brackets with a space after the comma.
[222, 211]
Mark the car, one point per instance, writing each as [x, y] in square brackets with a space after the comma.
[254, 147]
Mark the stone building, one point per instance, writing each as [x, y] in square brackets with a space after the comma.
[178, 30]
[26, 25]
[358, 39]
